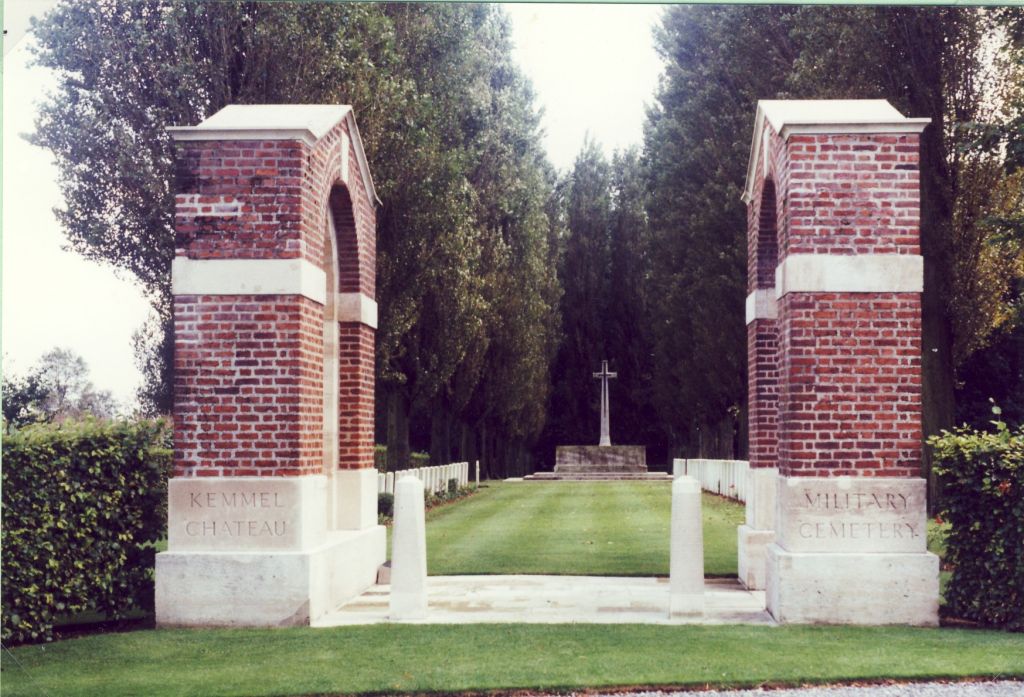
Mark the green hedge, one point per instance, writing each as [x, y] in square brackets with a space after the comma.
[981, 477]
[83, 504]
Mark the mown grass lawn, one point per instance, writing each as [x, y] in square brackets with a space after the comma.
[572, 528]
[446, 658]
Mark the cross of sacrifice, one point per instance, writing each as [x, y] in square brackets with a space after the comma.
[605, 376]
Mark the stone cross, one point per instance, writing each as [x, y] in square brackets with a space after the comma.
[604, 376]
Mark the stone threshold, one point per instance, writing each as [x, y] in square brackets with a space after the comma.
[534, 599]
[594, 477]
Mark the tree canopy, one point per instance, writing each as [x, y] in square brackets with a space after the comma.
[502, 284]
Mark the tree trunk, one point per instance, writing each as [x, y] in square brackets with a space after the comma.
[440, 436]
[937, 381]
[398, 430]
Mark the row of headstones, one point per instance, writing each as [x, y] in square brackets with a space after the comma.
[724, 477]
[408, 597]
[435, 479]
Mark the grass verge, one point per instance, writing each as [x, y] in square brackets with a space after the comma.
[572, 528]
[447, 658]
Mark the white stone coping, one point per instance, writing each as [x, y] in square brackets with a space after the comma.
[356, 307]
[248, 277]
[761, 304]
[850, 273]
[306, 123]
[793, 116]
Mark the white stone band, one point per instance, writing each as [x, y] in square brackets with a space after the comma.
[248, 277]
[761, 304]
[850, 273]
[357, 307]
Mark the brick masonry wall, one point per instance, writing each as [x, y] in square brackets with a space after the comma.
[356, 395]
[852, 194]
[239, 200]
[249, 368]
[248, 388]
[762, 393]
[850, 384]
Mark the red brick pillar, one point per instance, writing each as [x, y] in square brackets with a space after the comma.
[273, 277]
[850, 509]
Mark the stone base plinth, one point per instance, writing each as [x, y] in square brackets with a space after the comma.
[751, 555]
[355, 493]
[851, 550]
[759, 530]
[266, 589]
[571, 459]
[869, 588]
[258, 551]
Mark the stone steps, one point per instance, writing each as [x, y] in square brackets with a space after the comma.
[600, 468]
[597, 476]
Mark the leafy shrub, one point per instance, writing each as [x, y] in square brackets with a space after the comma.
[83, 503]
[380, 458]
[386, 504]
[982, 499]
[453, 488]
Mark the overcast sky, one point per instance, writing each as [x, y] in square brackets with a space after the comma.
[593, 68]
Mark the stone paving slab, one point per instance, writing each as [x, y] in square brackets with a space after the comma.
[556, 600]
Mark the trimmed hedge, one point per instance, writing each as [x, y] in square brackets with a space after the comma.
[981, 476]
[83, 503]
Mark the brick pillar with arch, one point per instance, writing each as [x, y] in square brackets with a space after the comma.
[844, 383]
[272, 515]
[758, 529]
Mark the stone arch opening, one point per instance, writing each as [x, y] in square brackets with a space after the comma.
[344, 238]
[767, 237]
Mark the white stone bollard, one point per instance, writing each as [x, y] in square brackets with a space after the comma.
[478, 473]
[686, 555]
[409, 552]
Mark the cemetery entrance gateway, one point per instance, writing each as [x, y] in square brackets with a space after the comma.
[273, 501]
[836, 518]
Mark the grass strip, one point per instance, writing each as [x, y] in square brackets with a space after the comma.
[458, 658]
[572, 528]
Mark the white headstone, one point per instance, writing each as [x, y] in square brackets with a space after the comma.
[686, 555]
[409, 552]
